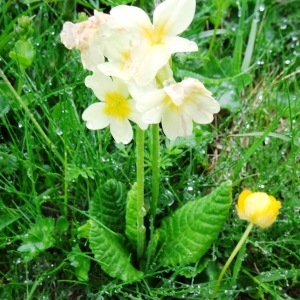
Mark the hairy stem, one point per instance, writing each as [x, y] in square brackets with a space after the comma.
[140, 191]
[155, 160]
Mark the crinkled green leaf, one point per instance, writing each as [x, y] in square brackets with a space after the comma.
[132, 215]
[108, 205]
[80, 262]
[187, 234]
[111, 253]
[38, 239]
[108, 208]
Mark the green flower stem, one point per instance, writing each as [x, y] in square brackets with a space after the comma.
[140, 191]
[155, 164]
[233, 254]
[155, 169]
[31, 117]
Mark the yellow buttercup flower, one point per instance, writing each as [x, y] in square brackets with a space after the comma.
[258, 208]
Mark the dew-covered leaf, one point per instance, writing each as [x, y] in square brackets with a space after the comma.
[80, 262]
[38, 239]
[187, 234]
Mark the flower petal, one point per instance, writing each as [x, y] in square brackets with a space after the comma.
[176, 124]
[149, 102]
[136, 117]
[92, 56]
[99, 83]
[174, 16]
[121, 131]
[202, 111]
[179, 44]
[146, 62]
[133, 18]
[258, 208]
[95, 117]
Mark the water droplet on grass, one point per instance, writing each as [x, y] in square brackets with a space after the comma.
[69, 90]
[283, 26]
[58, 131]
[26, 89]
[267, 140]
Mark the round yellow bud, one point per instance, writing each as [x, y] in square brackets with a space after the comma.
[258, 208]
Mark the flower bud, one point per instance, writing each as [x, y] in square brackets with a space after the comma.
[258, 208]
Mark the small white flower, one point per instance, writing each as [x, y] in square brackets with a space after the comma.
[176, 106]
[115, 109]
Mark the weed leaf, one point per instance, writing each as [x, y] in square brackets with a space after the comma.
[38, 239]
[80, 263]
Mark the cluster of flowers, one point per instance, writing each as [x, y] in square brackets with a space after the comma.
[129, 57]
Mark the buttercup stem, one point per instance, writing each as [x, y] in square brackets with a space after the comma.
[155, 169]
[231, 257]
[140, 191]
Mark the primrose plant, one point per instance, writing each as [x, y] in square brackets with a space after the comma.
[130, 60]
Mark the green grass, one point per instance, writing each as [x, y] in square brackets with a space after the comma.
[51, 165]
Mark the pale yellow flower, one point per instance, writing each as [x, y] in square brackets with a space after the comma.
[176, 106]
[152, 44]
[258, 208]
[115, 109]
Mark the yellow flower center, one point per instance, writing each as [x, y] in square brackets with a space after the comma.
[116, 105]
[155, 35]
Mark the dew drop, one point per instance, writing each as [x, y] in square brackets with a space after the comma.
[58, 131]
[283, 26]
[267, 140]
[69, 90]
[261, 7]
